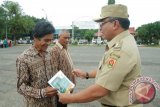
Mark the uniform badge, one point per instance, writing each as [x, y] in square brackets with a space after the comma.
[111, 62]
[112, 59]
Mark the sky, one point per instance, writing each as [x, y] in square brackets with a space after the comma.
[64, 12]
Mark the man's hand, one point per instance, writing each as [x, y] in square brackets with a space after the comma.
[49, 91]
[79, 73]
[64, 98]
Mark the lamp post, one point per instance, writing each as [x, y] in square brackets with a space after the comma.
[6, 29]
[6, 10]
[45, 13]
[72, 31]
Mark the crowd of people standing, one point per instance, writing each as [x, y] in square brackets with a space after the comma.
[5, 43]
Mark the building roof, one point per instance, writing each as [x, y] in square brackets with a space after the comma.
[132, 30]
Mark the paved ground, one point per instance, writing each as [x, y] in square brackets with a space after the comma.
[85, 57]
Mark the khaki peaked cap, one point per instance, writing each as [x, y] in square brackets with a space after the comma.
[113, 10]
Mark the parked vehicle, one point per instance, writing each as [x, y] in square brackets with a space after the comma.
[99, 41]
[94, 41]
[1, 44]
[82, 41]
[22, 41]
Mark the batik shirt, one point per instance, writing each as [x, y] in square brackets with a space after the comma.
[33, 72]
[62, 60]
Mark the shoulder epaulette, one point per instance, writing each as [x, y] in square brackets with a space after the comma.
[118, 46]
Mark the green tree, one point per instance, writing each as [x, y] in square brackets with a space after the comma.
[149, 33]
[77, 32]
[14, 17]
[18, 23]
[89, 33]
[84, 33]
[2, 22]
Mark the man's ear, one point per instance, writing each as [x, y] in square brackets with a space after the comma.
[116, 25]
[36, 39]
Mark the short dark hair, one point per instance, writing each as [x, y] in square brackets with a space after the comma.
[124, 22]
[43, 28]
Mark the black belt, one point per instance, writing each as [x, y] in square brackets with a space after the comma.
[108, 105]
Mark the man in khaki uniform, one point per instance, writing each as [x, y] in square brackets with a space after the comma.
[119, 66]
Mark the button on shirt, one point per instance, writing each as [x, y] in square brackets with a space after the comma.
[119, 66]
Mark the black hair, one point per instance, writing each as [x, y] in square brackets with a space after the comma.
[124, 22]
[43, 28]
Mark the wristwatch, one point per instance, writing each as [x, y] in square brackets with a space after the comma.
[87, 75]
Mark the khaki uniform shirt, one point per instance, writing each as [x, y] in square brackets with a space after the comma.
[33, 72]
[119, 66]
[62, 60]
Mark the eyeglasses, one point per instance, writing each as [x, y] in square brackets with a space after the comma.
[103, 23]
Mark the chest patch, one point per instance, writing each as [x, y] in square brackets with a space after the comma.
[112, 60]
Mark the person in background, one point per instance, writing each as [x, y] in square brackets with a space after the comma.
[35, 68]
[9, 43]
[61, 58]
[1, 43]
[119, 67]
[5, 43]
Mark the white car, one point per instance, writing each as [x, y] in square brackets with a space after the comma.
[94, 41]
[82, 41]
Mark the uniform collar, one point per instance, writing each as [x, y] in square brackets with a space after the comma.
[118, 38]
